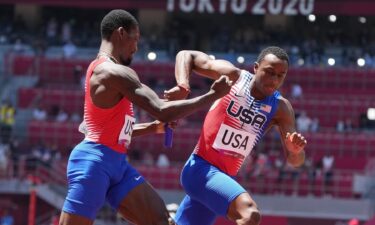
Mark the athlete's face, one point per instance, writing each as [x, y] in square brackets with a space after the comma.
[129, 43]
[269, 74]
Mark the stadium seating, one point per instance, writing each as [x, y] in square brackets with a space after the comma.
[70, 100]
[328, 94]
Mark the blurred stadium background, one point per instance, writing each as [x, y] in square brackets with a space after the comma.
[46, 46]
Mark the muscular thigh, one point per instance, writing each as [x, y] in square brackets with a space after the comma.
[87, 186]
[210, 186]
[143, 205]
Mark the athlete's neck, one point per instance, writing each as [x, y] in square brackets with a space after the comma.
[107, 50]
[109, 56]
[254, 91]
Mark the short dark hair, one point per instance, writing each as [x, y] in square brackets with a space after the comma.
[277, 51]
[115, 19]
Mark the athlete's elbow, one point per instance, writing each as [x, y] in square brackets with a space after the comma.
[182, 52]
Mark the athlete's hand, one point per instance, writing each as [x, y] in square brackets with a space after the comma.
[295, 142]
[176, 93]
[159, 126]
[222, 86]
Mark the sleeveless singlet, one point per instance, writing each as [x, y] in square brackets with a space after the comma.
[111, 127]
[234, 125]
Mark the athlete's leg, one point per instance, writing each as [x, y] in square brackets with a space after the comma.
[87, 186]
[143, 206]
[136, 200]
[192, 212]
[209, 186]
[243, 210]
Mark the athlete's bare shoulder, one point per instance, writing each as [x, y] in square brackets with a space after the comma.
[284, 104]
[283, 113]
[112, 82]
[284, 110]
[108, 70]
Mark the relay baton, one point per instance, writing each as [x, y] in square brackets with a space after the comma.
[168, 136]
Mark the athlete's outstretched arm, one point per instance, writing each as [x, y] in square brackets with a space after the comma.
[199, 62]
[139, 129]
[155, 127]
[126, 81]
[293, 142]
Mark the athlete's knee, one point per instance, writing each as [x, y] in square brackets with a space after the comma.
[244, 211]
[169, 221]
[250, 217]
[161, 218]
[251, 214]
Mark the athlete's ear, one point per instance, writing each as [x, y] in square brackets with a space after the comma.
[256, 66]
[122, 32]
